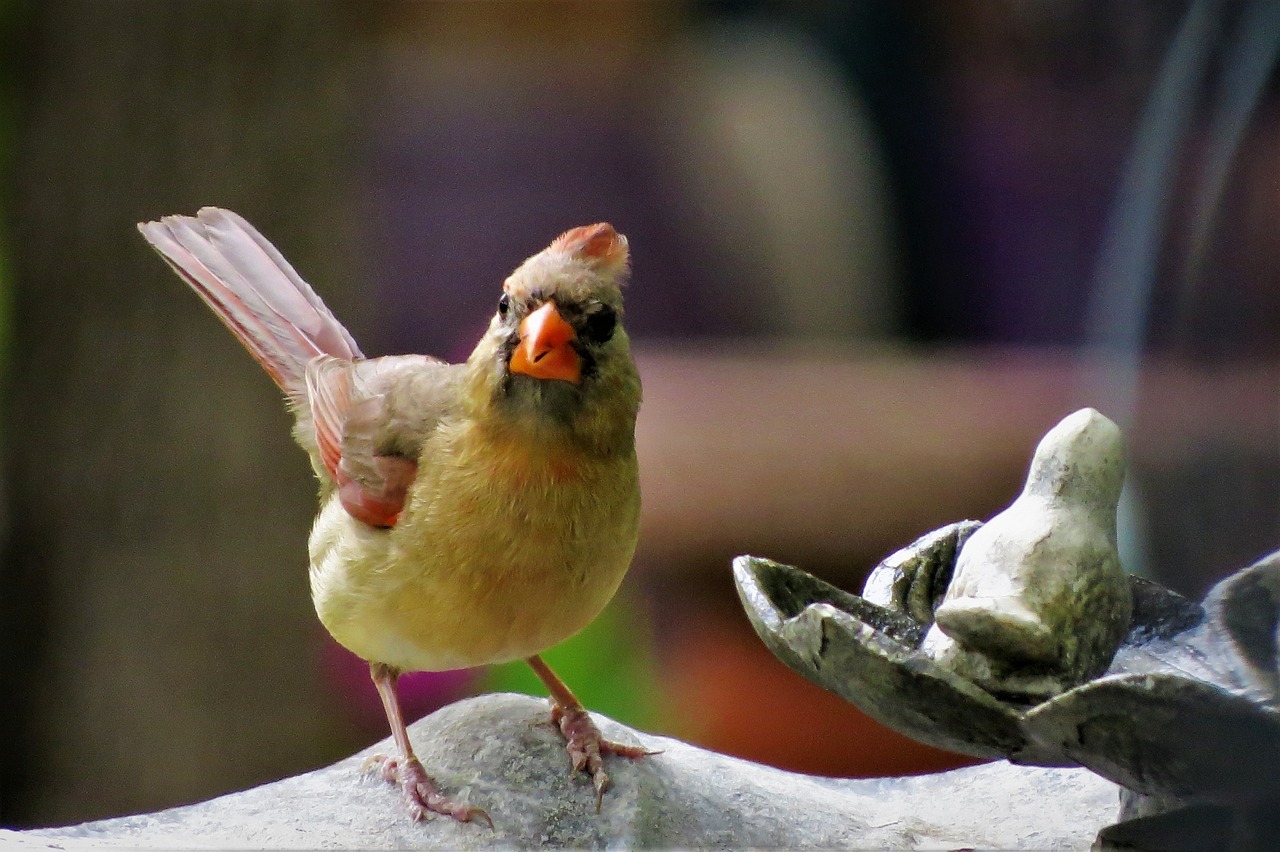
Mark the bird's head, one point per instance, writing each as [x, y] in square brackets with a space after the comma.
[556, 357]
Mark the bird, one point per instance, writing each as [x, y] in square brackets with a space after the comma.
[471, 513]
[1039, 601]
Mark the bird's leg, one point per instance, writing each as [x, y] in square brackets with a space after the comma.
[420, 792]
[583, 740]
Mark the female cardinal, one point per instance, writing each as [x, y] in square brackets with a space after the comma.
[469, 513]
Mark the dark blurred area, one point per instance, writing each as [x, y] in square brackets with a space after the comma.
[880, 248]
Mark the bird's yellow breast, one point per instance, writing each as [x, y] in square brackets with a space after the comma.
[505, 548]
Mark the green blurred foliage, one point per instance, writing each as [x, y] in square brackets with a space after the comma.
[610, 666]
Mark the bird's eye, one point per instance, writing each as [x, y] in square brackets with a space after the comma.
[504, 305]
[600, 324]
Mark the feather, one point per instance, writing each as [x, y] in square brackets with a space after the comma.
[254, 291]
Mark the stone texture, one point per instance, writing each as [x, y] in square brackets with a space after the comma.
[1038, 601]
[1187, 715]
[499, 752]
[869, 654]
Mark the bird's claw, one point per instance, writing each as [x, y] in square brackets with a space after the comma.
[420, 793]
[587, 747]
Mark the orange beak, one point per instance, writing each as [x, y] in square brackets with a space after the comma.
[544, 351]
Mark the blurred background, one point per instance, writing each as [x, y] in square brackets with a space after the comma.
[880, 247]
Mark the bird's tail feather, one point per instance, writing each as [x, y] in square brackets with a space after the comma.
[253, 290]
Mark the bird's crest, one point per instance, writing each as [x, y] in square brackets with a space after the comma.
[598, 244]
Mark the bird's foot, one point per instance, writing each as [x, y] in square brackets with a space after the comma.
[420, 793]
[587, 747]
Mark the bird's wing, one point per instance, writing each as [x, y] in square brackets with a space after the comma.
[370, 420]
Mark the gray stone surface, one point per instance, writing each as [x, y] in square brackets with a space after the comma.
[1187, 717]
[1038, 601]
[869, 654]
[499, 752]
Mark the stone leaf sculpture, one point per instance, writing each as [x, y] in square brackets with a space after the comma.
[1179, 703]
